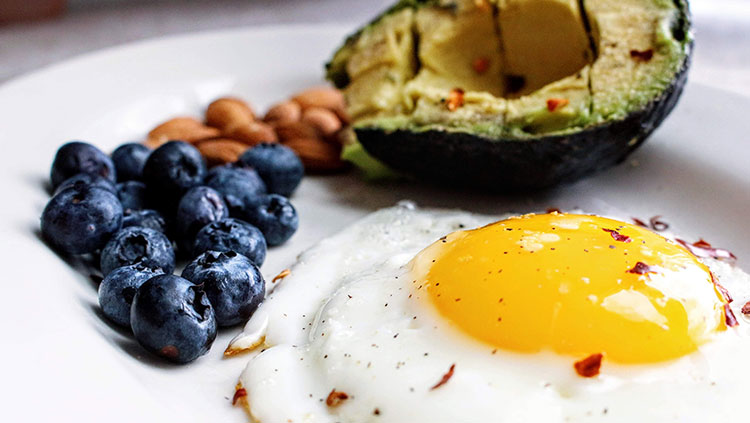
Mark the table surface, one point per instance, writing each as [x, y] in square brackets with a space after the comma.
[722, 29]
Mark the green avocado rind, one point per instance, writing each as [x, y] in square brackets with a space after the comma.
[507, 165]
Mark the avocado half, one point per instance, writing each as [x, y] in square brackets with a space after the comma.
[512, 94]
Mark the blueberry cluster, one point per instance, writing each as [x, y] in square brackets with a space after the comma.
[141, 210]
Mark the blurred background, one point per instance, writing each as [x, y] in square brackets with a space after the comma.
[35, 33]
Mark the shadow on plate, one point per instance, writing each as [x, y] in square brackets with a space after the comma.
[97, 311]
[122, 338]
[87, 265]
[351, 191]
[39, 182]
[658, 179]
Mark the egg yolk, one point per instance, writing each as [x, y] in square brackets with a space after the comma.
[573, 284]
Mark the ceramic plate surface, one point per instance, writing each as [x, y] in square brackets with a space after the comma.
[62, 362]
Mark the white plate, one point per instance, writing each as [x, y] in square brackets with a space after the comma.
[62, 362]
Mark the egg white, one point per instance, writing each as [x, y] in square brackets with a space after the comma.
[348, 318]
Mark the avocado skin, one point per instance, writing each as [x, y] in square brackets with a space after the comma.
[513, 165]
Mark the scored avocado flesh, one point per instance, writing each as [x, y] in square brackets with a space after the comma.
[525, 67]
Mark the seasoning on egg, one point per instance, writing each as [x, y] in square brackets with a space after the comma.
[335, 398]
[446, 377]
[239, 394]
[642, 268]
[729, 318]
[617, 236]
[589, 366]
[703, 248]
[284, 273]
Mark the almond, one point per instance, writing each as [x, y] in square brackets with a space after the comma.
[221, 150]
[252, 133]
[343, 115]
[288, 111]
[229, 112]
[292, 130]
[323, 120]
[325, 97]
[181, 128]
[317, 155]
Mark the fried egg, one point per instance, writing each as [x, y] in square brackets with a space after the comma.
[416, 315]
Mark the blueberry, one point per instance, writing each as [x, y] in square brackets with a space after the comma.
[117, 290]
[198, 207]
[147, 218]
[129, 160]
[232, 235]
[136, 244]
[277, 165]
[79, 157]
[132, 195]
[173, 318]
[275, 216]
[81, 219]
[82, 179]
[171, 170]
[240, 187]
[232, 283]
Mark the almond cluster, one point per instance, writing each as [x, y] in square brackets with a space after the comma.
[311, 123]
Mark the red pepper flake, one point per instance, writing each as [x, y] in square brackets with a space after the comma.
[335, 398]
[746, 309]
[284, 273]
[642, 55]
[556, 103]
[589, 366]
[455, 99]
[641, 268]
[654, 223]
[618, 236]
[446, 377]
[553, 210]
[657, 224]
[701, 248]
[724, 292]
[729, 317]
[239, 393]
[480, 65]
[702, 243]
[639, 222]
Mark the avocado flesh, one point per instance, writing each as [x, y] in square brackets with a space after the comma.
[606, 83]
[379, 64]
[543, 41]
[449, 38]
[622, 29]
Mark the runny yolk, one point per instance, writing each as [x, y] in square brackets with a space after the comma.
[575, 285]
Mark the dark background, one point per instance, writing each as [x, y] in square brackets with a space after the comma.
[722, 27]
